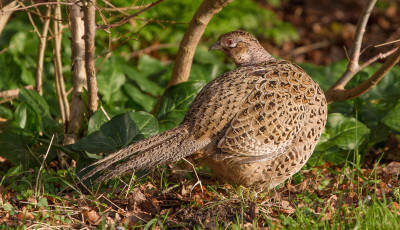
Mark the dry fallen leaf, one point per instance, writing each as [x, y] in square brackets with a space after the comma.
[392, 168]
[286, 207]
[25, 214]
[91, 216]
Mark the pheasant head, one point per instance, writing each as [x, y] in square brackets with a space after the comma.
[242, 47]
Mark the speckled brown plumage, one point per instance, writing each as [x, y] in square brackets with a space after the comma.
[256, 125]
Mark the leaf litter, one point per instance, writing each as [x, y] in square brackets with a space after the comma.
[326, 192]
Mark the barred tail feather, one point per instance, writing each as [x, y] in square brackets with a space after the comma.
[165, 147]
[169, 151]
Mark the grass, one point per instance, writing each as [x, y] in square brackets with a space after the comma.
[324, 197]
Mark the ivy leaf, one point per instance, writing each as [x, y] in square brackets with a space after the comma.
[147, 124]
[96, 120]
[109, 80]
[393, 119]
[175, 103]
[145, 101]
[344, 132]
[113, 135]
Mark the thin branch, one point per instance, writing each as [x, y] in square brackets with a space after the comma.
[387, 43]
[41, 50]
[201, 18]
[346, 94]
[12, 93]
[123, 21]
[33, 24]
[308, 48]
[353, 66]
[90, 30]
[35, 5]
[151, 49]
[60, 87]
[121, 9]
[377, 57]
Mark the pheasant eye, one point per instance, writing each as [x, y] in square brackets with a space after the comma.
[231, 43]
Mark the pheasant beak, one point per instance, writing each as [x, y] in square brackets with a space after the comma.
[215, 46]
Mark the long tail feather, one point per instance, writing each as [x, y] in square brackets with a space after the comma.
[136, 147]
[165, 147]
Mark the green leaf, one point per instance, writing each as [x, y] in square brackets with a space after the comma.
[148, 65]
[393, 119]
[6, 113]
[140, 98]
[40, 106]
[16, 170]
[114, 134]
[141, 79]
[96, 120]
[175, 103]
[8, 207]
[43, 202]
[203, 72]
[346, 133]
[33, 99]
[13, 142]
[10, 72]
[22, 43]
[109, 80]
[333, 155]
[147, 123]
[27, 118]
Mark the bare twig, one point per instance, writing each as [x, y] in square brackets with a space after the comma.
[90, 30]
[60, 87]
[75, 124]
[42, 48]
[151, 48]
[35, 5]
[192, 36]
[307, 48]
[387, 43]
[353, 66]
[337, 91]
[12, 93]
[123, 21]
[377, 57]
[346, 94]
[121, 9]
[35, 29]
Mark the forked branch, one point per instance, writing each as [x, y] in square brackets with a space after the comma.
[346, 94]
[337, 91]
[123, 21]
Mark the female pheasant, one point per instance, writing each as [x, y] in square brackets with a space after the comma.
[256, 125]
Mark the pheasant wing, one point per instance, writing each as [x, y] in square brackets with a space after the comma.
[270, 116]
